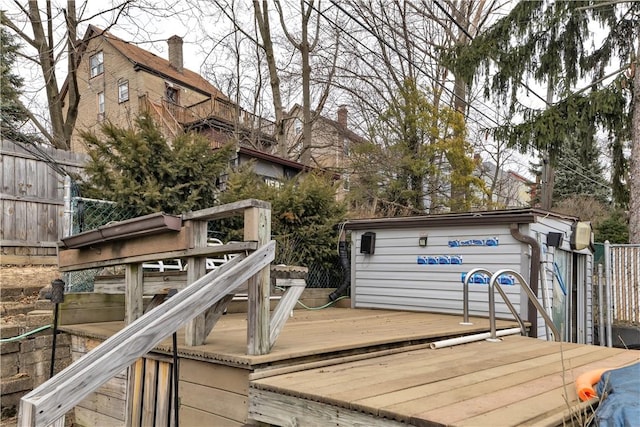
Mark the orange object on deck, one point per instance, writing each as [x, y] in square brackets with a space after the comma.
[585, 382]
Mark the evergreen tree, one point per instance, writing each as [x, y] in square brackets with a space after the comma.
[304, 215]
[579, 173]
[12, 114]
[138, 169]
[552, 43]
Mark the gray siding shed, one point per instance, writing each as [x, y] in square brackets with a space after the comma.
[404, 275]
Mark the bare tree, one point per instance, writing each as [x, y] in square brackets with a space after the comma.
[52, 35]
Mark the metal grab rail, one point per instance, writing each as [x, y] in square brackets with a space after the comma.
[465, 304]
[493, 282]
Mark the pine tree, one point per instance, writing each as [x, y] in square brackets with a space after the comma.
[12, 114]
[552, 43]
[138, 169]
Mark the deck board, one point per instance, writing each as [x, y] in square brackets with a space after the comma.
[375, 367]
[311, 334]
[515, 382]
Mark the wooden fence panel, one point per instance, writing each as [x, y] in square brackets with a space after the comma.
[32, 201]
[625, 278]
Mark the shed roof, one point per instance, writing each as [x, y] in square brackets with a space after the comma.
[497, 217]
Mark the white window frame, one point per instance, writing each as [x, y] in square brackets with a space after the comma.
[96, 64]
[123, 91]
[101, 108]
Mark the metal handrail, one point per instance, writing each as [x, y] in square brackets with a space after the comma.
[465, 305]
[493, 282]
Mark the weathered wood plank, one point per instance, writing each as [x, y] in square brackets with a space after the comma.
[134, 394]
[70, 262]
[86, 417]
[257, 226]
[195, 330]
[213, 314]
[133, 296]
[281, 410]
[121, 251]
[193, 417]
[214, 400]
[28, 260]
[105, 405]
[227, 210]
[163, 394]
[91, 307]
[59, 394]
[285, 306]
[215, 376]
[149, 393]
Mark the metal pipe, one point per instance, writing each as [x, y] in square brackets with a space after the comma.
[532, 299]
[465, 293]
[513, 310]
[471, 338]
[601, 306]
[533, 274]
[492, 312]
[607, 290]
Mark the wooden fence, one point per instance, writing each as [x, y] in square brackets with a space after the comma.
[32, 202]
[624, 273]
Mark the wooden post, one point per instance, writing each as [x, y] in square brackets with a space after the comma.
[257, 226]
[196, 268]
[133, 292]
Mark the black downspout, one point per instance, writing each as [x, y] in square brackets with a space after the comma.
[345, 287]
[534, 274]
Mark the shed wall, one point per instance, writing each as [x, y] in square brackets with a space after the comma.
[392, 278]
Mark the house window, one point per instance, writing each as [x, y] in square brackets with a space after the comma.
[123, 91]
[297, 125]
[101, 106]
[171, 93]
[97, 64]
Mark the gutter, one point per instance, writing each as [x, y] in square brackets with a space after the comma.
[534, 274]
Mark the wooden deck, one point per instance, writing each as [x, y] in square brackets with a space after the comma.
[519, 381]
[374, 367]
[310, 335]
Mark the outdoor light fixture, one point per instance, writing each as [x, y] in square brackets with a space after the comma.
[422, 241]
[368, 243]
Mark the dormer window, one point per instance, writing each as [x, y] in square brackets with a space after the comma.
[97, 64]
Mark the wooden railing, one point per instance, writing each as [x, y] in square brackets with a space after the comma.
[173, 116]
[199, 305]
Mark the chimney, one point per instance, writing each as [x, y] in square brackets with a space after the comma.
[342, 115]
[175, 52]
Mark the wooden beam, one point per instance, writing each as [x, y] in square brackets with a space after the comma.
[118, 251]
[54, 398]
[91, 308]
[195, 330]
[285, 306]
[133, 292]
[213, 314]
[227, 210]
[75, 262]
[257, 226]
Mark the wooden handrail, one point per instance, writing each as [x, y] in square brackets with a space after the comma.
[50, 401]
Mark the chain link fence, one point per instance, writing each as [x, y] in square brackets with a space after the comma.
[88, 214]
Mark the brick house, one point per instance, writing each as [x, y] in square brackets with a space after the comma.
[332, 141]
[118, 80]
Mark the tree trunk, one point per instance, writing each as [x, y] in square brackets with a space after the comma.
[634, 163]
[262, 19]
